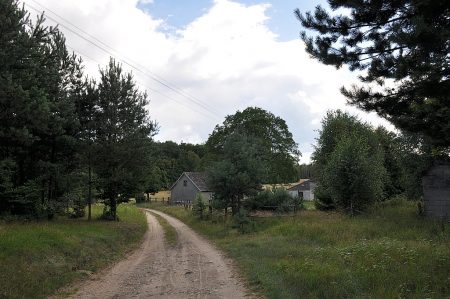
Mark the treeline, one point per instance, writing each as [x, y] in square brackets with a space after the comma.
[276, 150]
[357, 165]
[170, 160]
[64, 138]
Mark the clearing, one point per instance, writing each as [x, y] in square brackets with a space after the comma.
[192, 268]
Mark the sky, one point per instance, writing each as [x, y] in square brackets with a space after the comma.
[201, 60]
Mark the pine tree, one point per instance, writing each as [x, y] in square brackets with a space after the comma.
[123, 135]
[38, 79]
[403, 41]
[239, 173]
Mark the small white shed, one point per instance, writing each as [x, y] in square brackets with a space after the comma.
[304, 189]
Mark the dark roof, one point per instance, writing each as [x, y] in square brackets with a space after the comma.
[303, 186]
[199, 180]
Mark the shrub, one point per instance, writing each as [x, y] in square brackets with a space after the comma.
[140, 198]
[258, 201]
[242, 221]
[199, 207]
[283, 200]
[354, 174]
[323, 200]
[277, 199]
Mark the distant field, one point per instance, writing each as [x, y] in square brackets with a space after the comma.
[161, 195]
[37, 258]
[390, 253]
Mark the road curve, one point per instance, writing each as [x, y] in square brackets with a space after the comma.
[191, 269]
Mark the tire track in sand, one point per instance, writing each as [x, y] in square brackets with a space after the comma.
[191, 269]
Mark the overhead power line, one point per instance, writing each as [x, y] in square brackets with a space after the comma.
[141, 83]
[107, 49]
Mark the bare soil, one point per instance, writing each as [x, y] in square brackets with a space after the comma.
[191, 269]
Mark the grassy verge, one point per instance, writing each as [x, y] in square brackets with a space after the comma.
[170, 233]
[37, 258]
[390, 253]
[308, 205]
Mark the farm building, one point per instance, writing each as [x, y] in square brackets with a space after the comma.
[188, 185]
[436, 191]
[305, 189]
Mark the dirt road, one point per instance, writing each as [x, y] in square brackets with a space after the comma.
[192, 269]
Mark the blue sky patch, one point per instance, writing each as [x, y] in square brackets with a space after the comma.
[179, 13]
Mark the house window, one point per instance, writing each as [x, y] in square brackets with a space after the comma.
[185, 183]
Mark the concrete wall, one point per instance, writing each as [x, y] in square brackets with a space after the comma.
[307, 194]
[183, 194]
[436, 191]
[207, 196]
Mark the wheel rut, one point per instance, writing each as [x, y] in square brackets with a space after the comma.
[191, 269]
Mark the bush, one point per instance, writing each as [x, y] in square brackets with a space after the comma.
[140, 198]
[283, 200]
[108, 214]
[259, 201]
[242, 221]
[277, 199]
[199, 207]
[323, 200]
[354, 174]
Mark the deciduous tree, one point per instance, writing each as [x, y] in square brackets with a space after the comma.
[278, 147]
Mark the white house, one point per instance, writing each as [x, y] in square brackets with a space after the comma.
[304, 189]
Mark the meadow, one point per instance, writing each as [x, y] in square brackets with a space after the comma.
[390, 252]
[39, 257]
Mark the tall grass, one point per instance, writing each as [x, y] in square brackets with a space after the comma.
[37, 258]
[389, 253]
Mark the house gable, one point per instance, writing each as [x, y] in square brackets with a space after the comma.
[187, 186]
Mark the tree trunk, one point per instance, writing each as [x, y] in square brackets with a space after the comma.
[89, 187]
[234, 206]
[114, 207]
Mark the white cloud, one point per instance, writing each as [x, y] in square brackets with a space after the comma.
[228, 58]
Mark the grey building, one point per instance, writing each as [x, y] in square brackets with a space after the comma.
[436, 191]
[304, 189]
[188, 185]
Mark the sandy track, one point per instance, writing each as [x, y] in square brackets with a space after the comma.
[192, 269]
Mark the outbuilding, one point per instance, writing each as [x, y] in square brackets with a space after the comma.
[304, 189]
[188, 186]
[436, 191]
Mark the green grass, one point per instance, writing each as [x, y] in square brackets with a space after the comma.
[170, 233]
[37, 258]
[309, 205]
[389, 253]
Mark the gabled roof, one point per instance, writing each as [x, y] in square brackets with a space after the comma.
[305, 184]
[199, 180]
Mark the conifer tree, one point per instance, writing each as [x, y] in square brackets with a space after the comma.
[38, 79]
[123, 136]
[406, 42]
